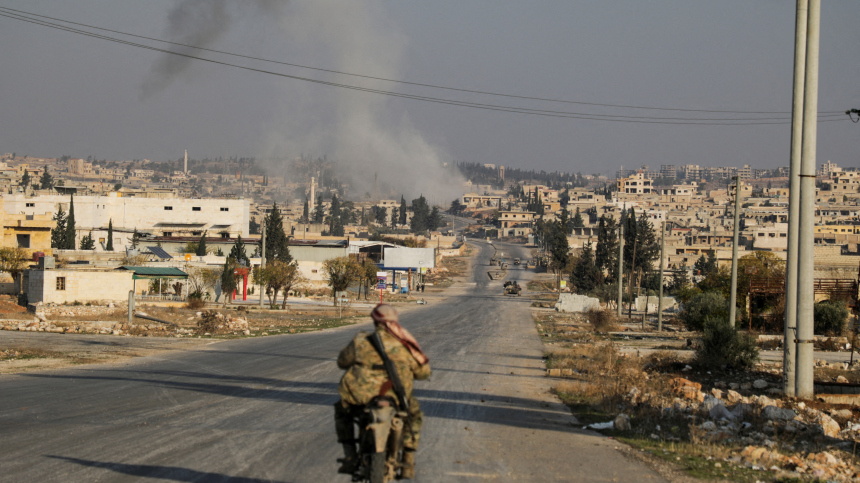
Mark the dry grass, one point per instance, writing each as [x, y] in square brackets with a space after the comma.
[602, 320]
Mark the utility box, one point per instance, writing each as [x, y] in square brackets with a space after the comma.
[46, 263]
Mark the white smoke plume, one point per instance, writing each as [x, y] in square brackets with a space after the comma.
[367, 134]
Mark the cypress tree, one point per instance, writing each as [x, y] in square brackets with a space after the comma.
[201, 246]
[577, 219]
[334, 214]
[402, 219]
[305, 212]
[238, 252]
[69, 239]
[109, 245]
[277, 243]
[319, 213]
[228, 279]
[58, 233]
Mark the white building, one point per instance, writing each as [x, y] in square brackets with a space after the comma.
[156, 216]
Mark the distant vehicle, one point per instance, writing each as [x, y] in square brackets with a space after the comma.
[512, 288]
[516, 261]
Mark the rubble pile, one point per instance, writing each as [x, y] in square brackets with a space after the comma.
[819, 465]
[731, 413]
[51, 310]
[212, 322]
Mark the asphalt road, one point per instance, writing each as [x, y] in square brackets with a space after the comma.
[257, 410]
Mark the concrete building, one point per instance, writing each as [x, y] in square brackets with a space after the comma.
[636, 184]
[66, 286]
[668, 171]
[30, 232]
[168, 217]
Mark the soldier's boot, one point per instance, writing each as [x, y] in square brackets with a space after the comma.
[407, 467]
[349, 462]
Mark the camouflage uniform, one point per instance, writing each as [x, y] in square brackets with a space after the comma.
[364, 378]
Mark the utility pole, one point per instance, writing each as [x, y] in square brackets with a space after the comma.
[804, 385]
[620, 264]
[263, 261]
[734, 294]
[662, 268]
[790, 332]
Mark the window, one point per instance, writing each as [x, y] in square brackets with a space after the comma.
[23, 241]
[195, 208]
[168, 233]
[30, 205]
[225, 209]
[168, 208]
[61, 283]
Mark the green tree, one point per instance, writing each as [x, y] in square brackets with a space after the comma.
[305, 212]
[238, 253]
[87, 242]
[319, 211]
[109, 245]
[401, 220]
[201, 246]
[435, 220]
[702, 307]
[69, 239]
[277, 242]
[829, 317]
[577, 220]
[13, 260]
[340, 273]
[47, 181]
[335, 222]
[228, 279]
[25, 180]
[135, 238]
[278, 277]
[585, 275]
[420, 215]
[706, 266]
[58, 233]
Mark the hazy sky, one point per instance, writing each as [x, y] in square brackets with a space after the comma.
[68, 94]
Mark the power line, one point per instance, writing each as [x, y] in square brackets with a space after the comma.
[502, 108]
[400, 81]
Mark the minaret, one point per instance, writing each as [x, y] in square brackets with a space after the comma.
[312, 201]
[186, 162]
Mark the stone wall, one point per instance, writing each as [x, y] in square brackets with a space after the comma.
[571, 302]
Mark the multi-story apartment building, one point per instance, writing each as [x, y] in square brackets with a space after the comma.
[668, 171]
[636, 184]
[168, 217]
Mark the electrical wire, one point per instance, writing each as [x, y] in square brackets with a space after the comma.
[472, 91]
[513, 109]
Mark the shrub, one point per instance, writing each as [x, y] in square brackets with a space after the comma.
[829, 317]
[601, 320]
[704, 306]
[723, 345]
[195, 303]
